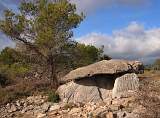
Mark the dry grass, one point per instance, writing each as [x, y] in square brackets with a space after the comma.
[148, 96]
[154, 75]
[24, 88]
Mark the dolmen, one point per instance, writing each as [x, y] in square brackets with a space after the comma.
[100, 81]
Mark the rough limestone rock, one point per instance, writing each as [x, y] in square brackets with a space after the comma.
[86, 90]
[104, 67]
[125, 83]
[95, 82]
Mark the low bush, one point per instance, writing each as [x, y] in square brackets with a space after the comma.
[53, 97]
[25, 88]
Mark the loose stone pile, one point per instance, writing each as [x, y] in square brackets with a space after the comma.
[38, 107]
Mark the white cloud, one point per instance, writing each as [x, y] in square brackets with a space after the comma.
[132, 42]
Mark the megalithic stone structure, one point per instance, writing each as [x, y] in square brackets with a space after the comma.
[100, 81]
[125, 83]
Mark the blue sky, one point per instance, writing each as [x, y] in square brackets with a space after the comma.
[127, 28]
[106, 20]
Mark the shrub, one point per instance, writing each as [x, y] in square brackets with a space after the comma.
[24, 88]
[53, 97]
[4, 81]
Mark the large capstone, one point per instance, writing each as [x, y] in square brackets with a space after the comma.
[107, 67]
[100, 81]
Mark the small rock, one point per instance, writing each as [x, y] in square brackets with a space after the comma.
[8, 105]
[100, 112]
[121, 114]
[41, 115]
[13, 108]
[23, 111]
[30, 107]
[114, 107]
[65, 111]
[12, 115]
[25, 104]
[46, 106]
[109, 115]
[18, 103]
[74, 111]
[90, 115]
[54, 107]
[54, 113]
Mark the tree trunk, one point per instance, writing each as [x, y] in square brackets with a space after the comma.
[54, 79]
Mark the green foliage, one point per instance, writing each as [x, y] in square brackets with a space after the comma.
[11, 65]
[7, 56]
[12, 93]
[53, 97]
[4, 81]
[88, 54]
[45, 28]
[48, 24]
[24, 88]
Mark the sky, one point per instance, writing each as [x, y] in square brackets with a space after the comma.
[128, 29]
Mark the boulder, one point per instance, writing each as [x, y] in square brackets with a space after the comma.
[94, 90]
[94, 83]
[124, 85]
[85, 90]
[108, 67]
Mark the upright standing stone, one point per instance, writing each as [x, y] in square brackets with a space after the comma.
[125, 83]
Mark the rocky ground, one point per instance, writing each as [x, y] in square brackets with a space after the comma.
[38, 107]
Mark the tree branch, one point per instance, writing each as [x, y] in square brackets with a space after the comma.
[31, 46]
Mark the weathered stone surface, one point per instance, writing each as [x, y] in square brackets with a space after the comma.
[100, 112]
[54, 107]
[87, 110]
[98, 88]
[86, 90]
[124, 84]
[41, 115]
[95, 82]
[109, 115]
[104, 67]
[45, 107]
[75, 111]
[13, 108]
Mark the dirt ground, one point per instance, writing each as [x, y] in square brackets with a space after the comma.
[150, 75]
